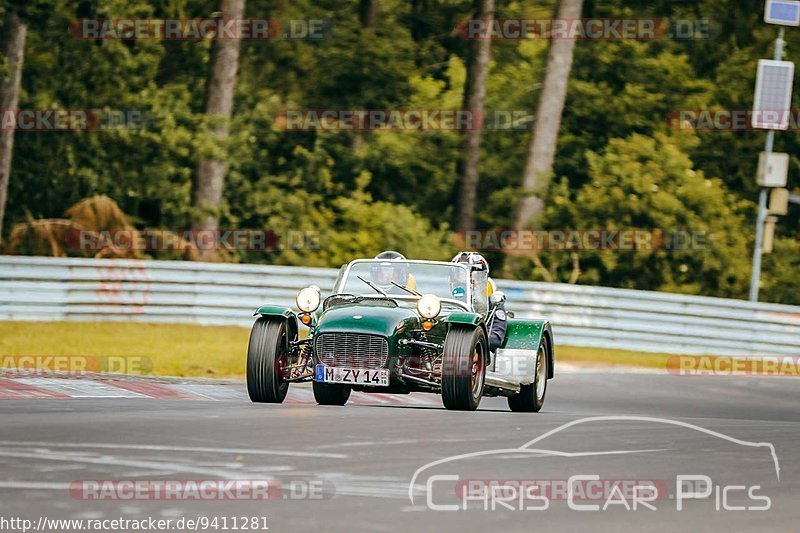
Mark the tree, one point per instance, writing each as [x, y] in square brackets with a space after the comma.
[368, 18]
[780, 281]
[474, 96]
[651, 184]
[219, 106]
[408, 57]
[368, 14]
[541, 153]
[15, 33]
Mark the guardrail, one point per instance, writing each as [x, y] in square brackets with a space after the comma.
[57, 289]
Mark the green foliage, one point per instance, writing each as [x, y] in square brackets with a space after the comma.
[649, 183]
[780, 281]
[619, 165]
[338, 224]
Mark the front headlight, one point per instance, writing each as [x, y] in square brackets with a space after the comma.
[429, 306]
[308, 299]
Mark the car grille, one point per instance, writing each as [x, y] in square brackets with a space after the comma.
[352, 350]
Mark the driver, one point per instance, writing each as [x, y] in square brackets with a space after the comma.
[483, 287]
[393, 267]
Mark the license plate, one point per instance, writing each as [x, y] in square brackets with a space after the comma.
[352, 376]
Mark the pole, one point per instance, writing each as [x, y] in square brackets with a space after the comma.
[757, 251]
[762, 197]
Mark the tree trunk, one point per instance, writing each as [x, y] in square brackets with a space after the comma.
[474, 96]
[219, 106]
[542, 149]
[368, 14]
[14, 48]
[368, 18]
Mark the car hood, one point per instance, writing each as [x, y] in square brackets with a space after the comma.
[365, 318]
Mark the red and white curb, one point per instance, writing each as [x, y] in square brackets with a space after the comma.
[29, 388]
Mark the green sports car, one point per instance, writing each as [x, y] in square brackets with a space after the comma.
[417, 329]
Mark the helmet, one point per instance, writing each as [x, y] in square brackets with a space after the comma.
[393, 267]
[390, 255]
[479, 278]
[473, 260]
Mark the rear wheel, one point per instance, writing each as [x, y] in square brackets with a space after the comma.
[463, 368]
[530, 398]
[267, 361]
[326, 394]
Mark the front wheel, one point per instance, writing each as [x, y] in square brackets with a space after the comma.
[267, 360]
[463, 368]
[530, 398]
[326, 394]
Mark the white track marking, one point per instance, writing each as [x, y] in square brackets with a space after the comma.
[91, 388]
[211, 392]
[163, 467]
[165, 448]
[34, 485]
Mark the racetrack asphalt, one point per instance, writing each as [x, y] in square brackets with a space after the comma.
[359, 460]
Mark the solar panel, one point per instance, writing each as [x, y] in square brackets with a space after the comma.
[783, 12]
[773, 101]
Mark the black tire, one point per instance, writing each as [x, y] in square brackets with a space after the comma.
[527, 399]
[326, 394]
[267, 356]
[463, 368]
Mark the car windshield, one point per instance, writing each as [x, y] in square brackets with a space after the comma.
[445, 280]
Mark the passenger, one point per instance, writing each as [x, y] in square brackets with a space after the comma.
[482, 288]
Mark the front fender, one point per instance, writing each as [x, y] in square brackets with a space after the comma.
[466, 319]
[282, 312]
[470, 319]
[525, 336]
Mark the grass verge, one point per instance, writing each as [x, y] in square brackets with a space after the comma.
[163, 349]
[198, 351]
[607, 357]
